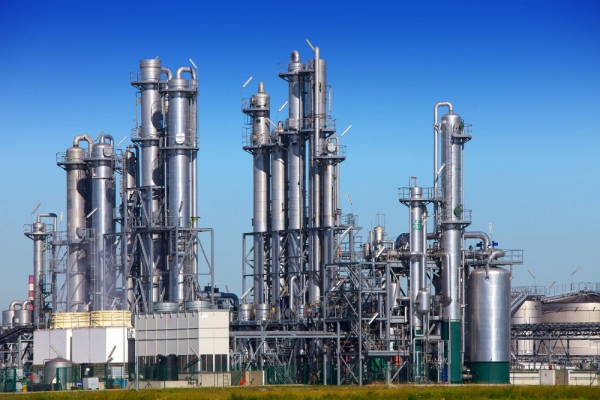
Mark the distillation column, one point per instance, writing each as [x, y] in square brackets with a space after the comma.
[104, 272]
[296, 178]
[278, 167]
[316, 142]
[151, 172]
[451, 226]
[78, 206]
[180, 146]
[260, 106]
[39, 234]
[419, 299]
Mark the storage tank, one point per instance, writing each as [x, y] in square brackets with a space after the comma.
[530, 312]
[7, 318]
[577, 309]
[246, 312]
[51, 367]
[490, 325]
[168, 367]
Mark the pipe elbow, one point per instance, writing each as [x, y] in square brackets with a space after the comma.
[166, 71]
[295, 56]
[478, 235]
[15, 303]
[189, 70]
[106, 136]
[81, 138]
[496, 254]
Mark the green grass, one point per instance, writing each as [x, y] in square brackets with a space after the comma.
[375, 392]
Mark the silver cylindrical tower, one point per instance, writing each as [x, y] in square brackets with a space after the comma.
[452, 210]
[417, 250]
[278, 167]
[317, 109]
[260, 103]
[296, 89]
[38, 229]
[151, 170]
[451, 226]
[39, 234]
[490, 325]
[296, 176]
[180, 147]
[78, 206]
[103, 207]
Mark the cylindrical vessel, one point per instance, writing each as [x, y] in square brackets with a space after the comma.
[579, 309]
[278, 160]
[179, 186]
[490, 325]
[165, 307]
[416, 250]
[451, 240]
[22, 317]
[378, 234]
[451, 211]
[168, 367]
[246, 312]
[103, 206]
[262, 312]
[7, 318]
[296, 89]
[197, 305]
[78, 184]
[530, 312]
[152, 178]
[260, 103]
[51, 369]
[38, 232]
[424, 300]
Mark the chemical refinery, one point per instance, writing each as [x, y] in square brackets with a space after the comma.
[118, 298]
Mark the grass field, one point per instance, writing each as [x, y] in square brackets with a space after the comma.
[333, 392]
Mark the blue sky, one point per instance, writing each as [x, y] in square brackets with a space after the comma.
[525, 74]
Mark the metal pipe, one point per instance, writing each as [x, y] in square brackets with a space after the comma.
[81, 138]
[181, 70]
[48, 215]
[15, 303]
[478, 235]
[166, 71]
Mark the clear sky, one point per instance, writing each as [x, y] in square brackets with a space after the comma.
[524, 73]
